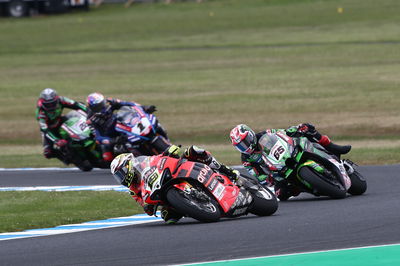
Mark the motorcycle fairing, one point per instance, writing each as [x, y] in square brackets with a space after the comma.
[135, 123]
[218, 185]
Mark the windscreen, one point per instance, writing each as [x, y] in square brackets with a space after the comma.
[268, 141]
[127, 115]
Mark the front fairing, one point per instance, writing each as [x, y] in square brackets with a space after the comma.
[76, 130]
[220, 186]
[276, 150]
[135, 123]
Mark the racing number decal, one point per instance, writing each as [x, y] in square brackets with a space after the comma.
[83, 126]
[278, 152]
[140, 126]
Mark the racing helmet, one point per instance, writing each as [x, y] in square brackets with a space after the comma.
[123, 171]
[96, 102]
[50, 100]
[244, 139]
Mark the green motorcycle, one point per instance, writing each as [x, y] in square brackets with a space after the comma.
[82, 149]
[309, 167]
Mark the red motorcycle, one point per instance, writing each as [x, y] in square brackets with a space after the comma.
[198, 191]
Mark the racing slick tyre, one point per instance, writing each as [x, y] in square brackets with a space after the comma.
[195, 204]
[84, 166]
[330, 188]
[358, 184]
[264, 202]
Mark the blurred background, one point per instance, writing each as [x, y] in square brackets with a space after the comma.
[207, 66]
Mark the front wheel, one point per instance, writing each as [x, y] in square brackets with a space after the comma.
[264, 202]
[358, 184]
[195, 204]
[332, 189]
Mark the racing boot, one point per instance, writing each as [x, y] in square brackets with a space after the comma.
[338, 149]
[332, 147]
[284, 191]
[169, 215]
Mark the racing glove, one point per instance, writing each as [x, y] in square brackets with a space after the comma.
[172, 151]
[194, 153]
[59, 144]
[234, 175]
[150, 109]
[266, 179]
[309, 131]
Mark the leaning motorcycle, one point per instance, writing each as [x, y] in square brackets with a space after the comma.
[196, 190]
[81, 149]
[141, 133]
[310, 167]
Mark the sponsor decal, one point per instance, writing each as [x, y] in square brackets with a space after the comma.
[219, 191]
[204, 174]
[283, 136]
[162, 163]
[212, 185]
[153, 178]
[147, 173]
[239, 211]
[123, 127]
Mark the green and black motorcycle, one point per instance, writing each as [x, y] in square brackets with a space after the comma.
[82, 149]
[310, 167]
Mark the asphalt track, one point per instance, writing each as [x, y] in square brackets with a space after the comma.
[301, 225]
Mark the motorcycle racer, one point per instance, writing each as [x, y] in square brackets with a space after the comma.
[125, 174]
[102, 120]
[49, 110]
[245, 140]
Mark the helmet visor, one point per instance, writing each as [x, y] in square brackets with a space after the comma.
[247, 145]
[50, 105]
[121, 174]
[97, 107]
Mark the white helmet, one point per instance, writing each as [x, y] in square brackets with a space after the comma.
[122, 170]
[49, 99]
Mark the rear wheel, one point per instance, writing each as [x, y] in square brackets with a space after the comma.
[319, 183]
[84, 166]
[264, 202]
[358, 184]
[196, 204]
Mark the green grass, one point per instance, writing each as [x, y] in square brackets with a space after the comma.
[28, 210]
[210, 66]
